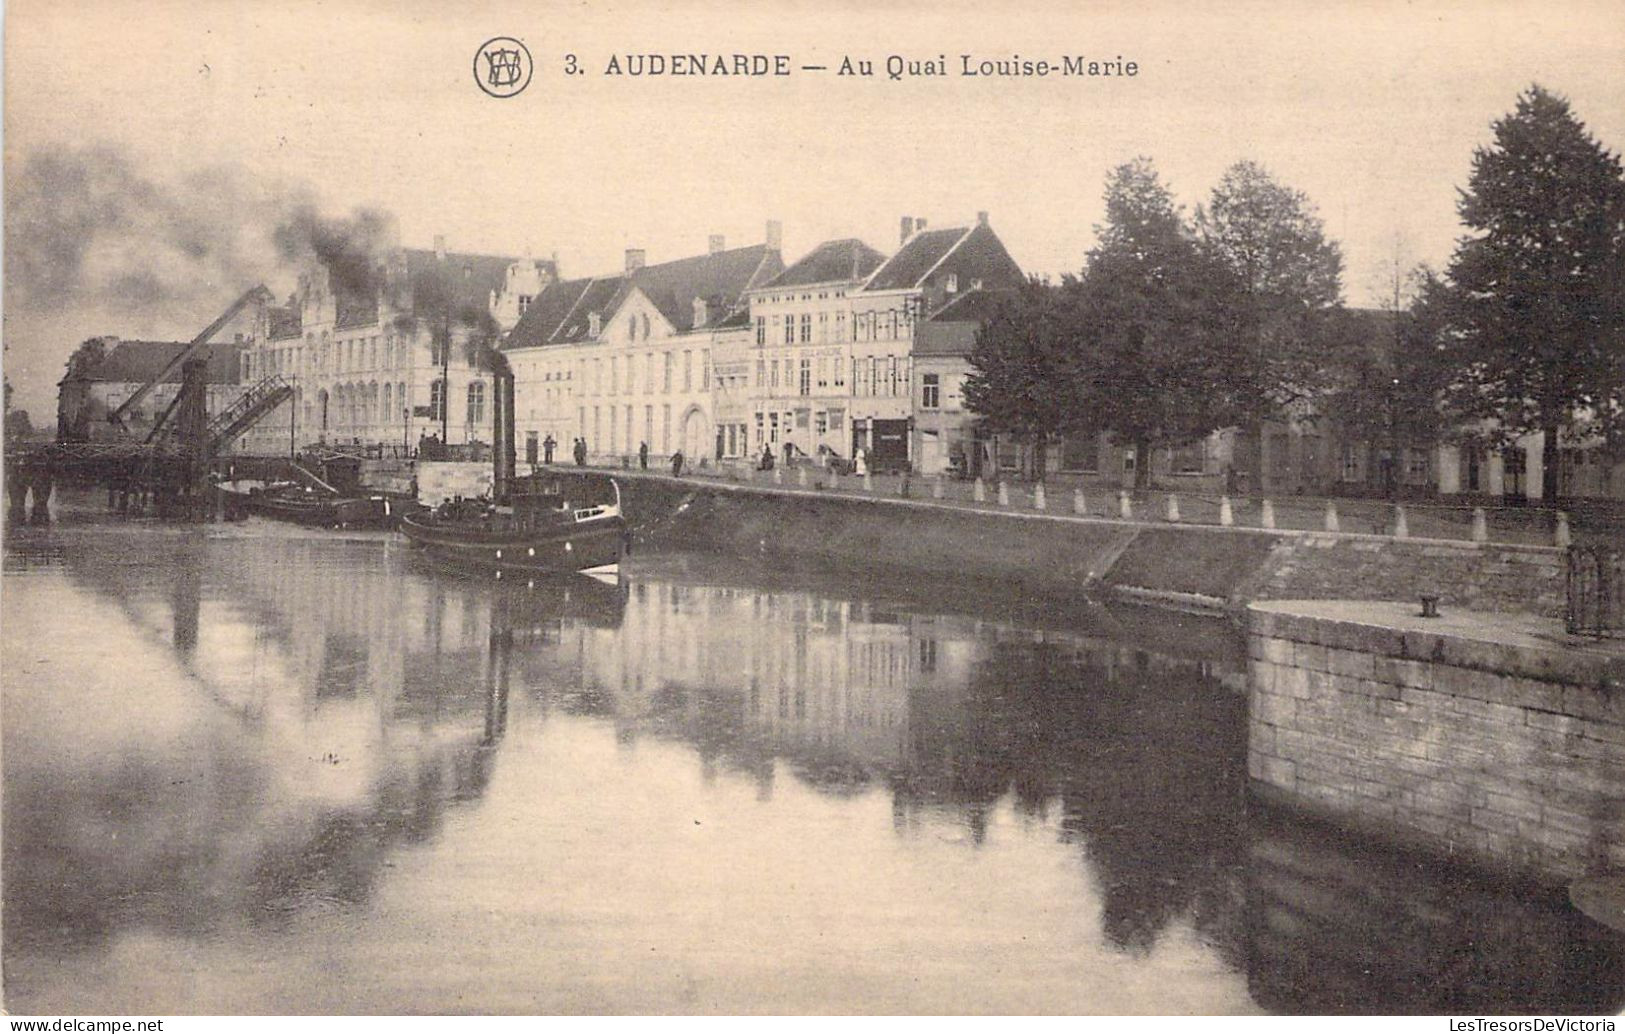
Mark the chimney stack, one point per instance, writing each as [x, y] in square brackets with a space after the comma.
[919, 225]
[906, 230]
[634, 259]
[440, 247]
[981, 218]
[716, 243]
[775, 235]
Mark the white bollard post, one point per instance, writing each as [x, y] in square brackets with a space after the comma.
[1332, 523]
[979, 491]
[1227, 516]
[1173, 508]
[937, 488]
[1561, 538]
[1004, 493]
[1039, 502]
[1402, 528]
[801, 476]
[868, 482]
[1080, 505]
[1266, 514]
[1125, 506]
[1481, 525]
[778, 475]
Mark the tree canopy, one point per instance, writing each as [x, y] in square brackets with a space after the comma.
[1287, 275]
[1535, 303]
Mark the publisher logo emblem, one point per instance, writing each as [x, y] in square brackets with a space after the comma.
[502, 66]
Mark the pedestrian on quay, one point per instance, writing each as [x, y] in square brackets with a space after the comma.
[860, 462]
[581, 452]
[548, 444]
[643, 455]
[767, 458]
[677, 464]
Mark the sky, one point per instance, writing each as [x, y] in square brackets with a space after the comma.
[219, 112]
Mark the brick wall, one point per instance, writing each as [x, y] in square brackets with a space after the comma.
[1478, 576]
[1507, 754]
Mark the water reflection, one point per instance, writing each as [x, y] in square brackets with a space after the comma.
[675, 791]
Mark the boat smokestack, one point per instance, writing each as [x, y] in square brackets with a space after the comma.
[503, 456]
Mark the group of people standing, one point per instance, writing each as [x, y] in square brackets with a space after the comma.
[578, 452]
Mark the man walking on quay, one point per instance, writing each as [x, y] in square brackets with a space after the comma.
[547, 449]
[677, 464]
[643, 455]
[581, 452]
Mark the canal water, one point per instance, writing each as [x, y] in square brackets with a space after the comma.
[256, 769]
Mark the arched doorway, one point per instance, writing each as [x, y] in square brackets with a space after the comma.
[696, 434]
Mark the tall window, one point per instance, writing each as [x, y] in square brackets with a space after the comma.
[705, 369]
[437, 400]
[476, 403]
[806, 377]
[667, 387]
[761, 330]
[806, 327]
[761, 373]
[688, 370]
[930, 397]
[789, 330]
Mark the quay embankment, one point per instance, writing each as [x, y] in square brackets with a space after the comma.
[1052, 554]
[1485, 737]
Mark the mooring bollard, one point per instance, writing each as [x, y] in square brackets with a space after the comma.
[1561, 538]
[1039, 501]
[1227, 516]
[1402, 529]
[868, 482]
[1481, 525]
[1266, 514]
[938, 490]
[1080, 505]
[1173, 508]
[903, 487]
[1004, 493]
[979, 491]
[1125, 506]
[778, 475]
[1332, 523]
[801, 476]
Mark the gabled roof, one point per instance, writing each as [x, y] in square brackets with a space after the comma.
[974, 306]
[831, 262]
[975, 252]
[137, 362]
[952, 329]
[561, 314]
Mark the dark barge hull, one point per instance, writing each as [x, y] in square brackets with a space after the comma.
[320, 513]
[578, 546]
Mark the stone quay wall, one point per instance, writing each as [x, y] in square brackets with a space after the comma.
[1480, 576]
[1203, 566]
[1488, 745]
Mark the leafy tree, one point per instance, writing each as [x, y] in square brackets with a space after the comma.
[17, 422]
[1288, 275]
[1020, 365]
[1161, 361]
[87, 356]
[1535, 302]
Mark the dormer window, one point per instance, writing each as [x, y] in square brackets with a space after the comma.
[632, 328]
[701, 312]
[524, 303]
[953, 282]
[593, 324]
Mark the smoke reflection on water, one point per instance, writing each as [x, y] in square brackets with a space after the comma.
[277, 772]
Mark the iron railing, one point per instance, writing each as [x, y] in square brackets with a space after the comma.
[1596, 591]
